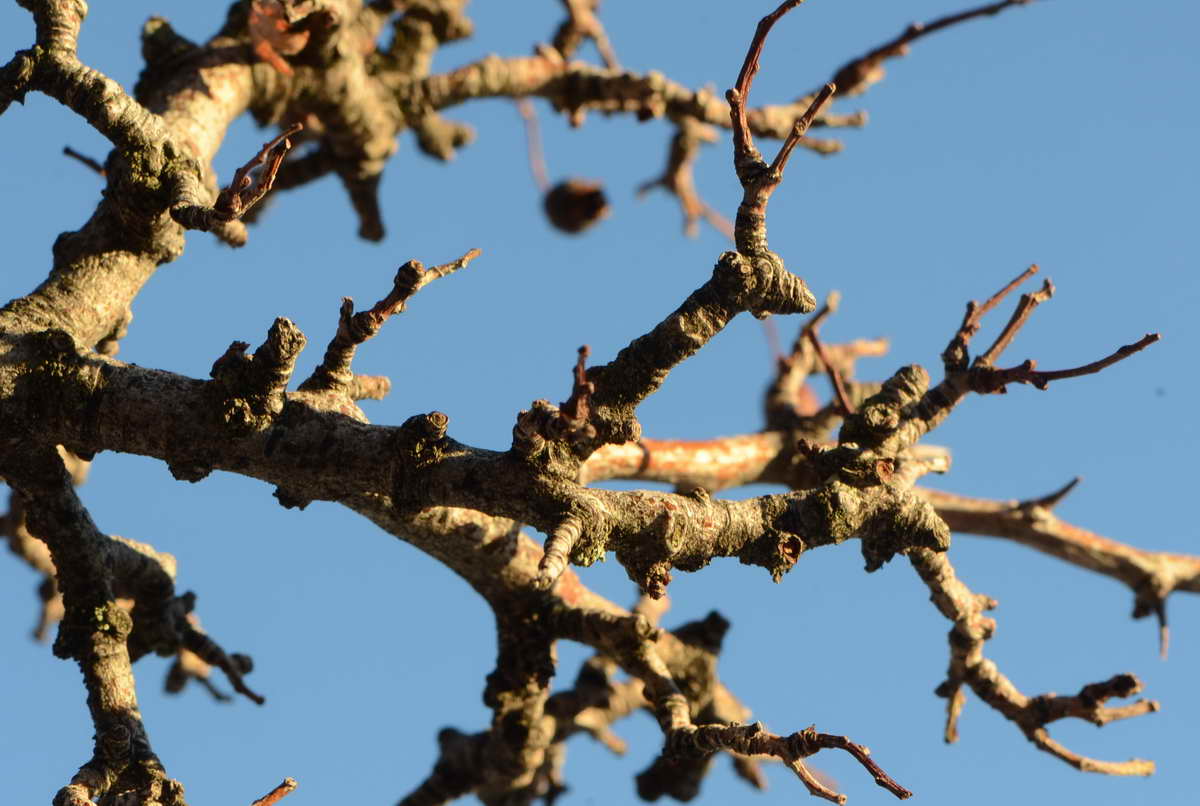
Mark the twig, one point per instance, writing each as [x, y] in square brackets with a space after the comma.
[1026, 372]
[750, 65]
[277, 794]
[855, 77]
[678, 179]
[1051, 500]
[575, 409]
[86, 160]
[759, 180]
[835, 377]
[533, 144]
[190, 206]
[1025, 308]
[955, 355]
[799, 128]
[1151, 575]
[243, 193]
[810, 332]
[334, 374]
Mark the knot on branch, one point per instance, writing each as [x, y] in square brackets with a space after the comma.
[112, 620]
[422, 434]
[909, 523]
[191, 471]
[882, 414]
[761, 284]
[418, 443]
[529, 438]
[251, 389]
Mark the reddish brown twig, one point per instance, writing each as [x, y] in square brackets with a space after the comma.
[277, 794]
[575, 409]
[835, 377]
[568, 421]
[750, 66]
[955, 355]
[1121, 354]
[985, 379]
[759, 180]
[1025, 308]
[857, 76]
[86, 160]
[243, 192]
[811, 333]
[799, 128]
[746, 158]
[1026, 372]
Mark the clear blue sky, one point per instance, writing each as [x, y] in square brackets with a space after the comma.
[1063, 133]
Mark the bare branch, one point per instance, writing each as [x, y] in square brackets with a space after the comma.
[856, 77]
[678, 180]
[86, 160]
[333, 375]
[1151, 576]
[1030, 714]
[242, 192]
[277, 794]
[533, 143]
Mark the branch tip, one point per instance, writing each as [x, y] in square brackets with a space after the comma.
[799, 129]
[1052, 500]
[86, 160]
[278, 793]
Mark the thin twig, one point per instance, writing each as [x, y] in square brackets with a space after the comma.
[533, 144]
[86, 160]
[1040, 379]
[798, 130]
[955, 355]
[835, 377]
[1025, 308]
[854, 78]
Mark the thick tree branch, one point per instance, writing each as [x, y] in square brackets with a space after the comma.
[95, 632]
[318, 61]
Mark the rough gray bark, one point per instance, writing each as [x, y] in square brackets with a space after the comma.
[850, 466]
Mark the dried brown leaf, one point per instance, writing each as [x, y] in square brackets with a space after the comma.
[271, 35]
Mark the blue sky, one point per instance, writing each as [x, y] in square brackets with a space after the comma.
[1060, 133]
